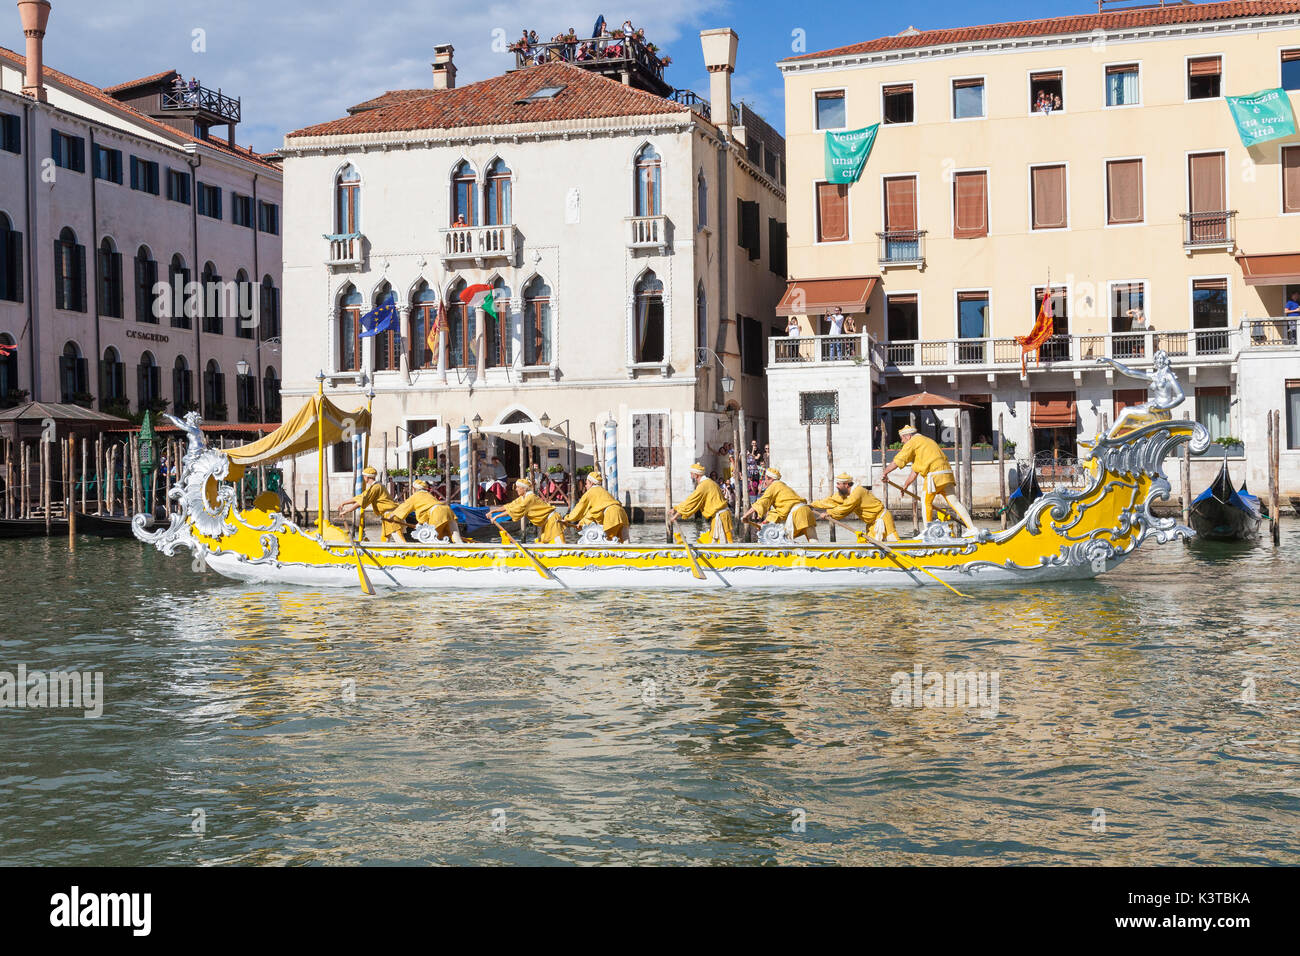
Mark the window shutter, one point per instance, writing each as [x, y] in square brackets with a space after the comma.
[60, 300]
[1204, 66]
[1049, 201]
[970, 198]
[14, 263]
[1053, 410]
[80, 278]
[1290, 177]
[900, 204]
[900, 88]
[1124, 191]
[832, 209]
[83, 375]
[1206, 182]
[115, 265]
[56, 147]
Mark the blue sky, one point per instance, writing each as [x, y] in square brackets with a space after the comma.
[295, 62]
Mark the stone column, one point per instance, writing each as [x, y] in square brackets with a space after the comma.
[404, 356]
[466, 479]
[611, 457]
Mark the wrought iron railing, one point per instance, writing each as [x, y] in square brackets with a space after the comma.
[592, 52]
[819, 349]
[901, 247]
[202, 98]
[692, 100]
[1209, 228]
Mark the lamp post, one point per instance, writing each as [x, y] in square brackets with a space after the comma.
[242, 369]
[728, 383]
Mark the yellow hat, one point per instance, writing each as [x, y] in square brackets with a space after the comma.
[369, 471]
[698, 468]
[774, 473]
[421, 484]
[595, 477]
[844, 476]
[907, 430]
[524, 483]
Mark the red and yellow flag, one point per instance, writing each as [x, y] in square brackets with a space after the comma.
[1041, 331]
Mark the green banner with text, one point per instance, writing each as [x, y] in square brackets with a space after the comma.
[847, 152]
[1262, 116]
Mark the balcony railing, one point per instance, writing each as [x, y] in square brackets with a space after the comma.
[647, 232]
[345, 250]
[1209, 229]
[202, 98]
[594, 53]
[902, 247]
[1082, 351]
[823, 349]
[480, 243]
[692, 100]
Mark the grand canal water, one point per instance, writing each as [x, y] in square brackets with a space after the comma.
[749, 728]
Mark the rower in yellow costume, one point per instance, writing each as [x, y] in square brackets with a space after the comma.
[780, 503]
[374, 497]
[707, 500]
[931, 465]
[429, 510]
[598, 506]
[534, 508]
[857, 502]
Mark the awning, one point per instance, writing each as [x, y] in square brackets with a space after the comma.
[1282, 268]
[1053, 410]
[297, 436]
[818, 296]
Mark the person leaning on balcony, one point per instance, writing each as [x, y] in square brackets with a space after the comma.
[850, 501]
[930, 464]
[779, 503]
[374, 497]
[707, 500]
[836, 320]
[598, 506]
[460, 222]
[1292, 311]
[792, 327]
[534, 508]
[429, 510]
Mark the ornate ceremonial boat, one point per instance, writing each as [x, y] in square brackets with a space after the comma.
[1064, 535]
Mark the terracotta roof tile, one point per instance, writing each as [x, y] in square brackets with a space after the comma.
[143, 81]
[95, 93]
[496, 101]
[1083, 23]
[389, 99]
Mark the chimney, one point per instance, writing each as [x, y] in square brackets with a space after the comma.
[35, 14]
[720, 58]
[444, 70]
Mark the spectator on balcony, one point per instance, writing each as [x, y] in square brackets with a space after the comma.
[1139, 319]
[193, 88]
[836, 323]
[1292, 311]
[460, 222]
[792, 327]
[571, 44]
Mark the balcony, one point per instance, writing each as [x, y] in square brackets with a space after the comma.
[346, 251]
[647, 232]
[618, 57]
[902, 247]
[1209, 230]
[856, 349]
[218, 107]
[1078, 352]
[481, 244]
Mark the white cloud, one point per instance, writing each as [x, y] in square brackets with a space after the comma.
[295, 63]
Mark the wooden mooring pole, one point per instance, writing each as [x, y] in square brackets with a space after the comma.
[668, 485]
[1002, 477]
[830, 467]
[1186, 477]
[1274, 478]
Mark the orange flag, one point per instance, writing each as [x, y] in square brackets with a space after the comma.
[1041, 331]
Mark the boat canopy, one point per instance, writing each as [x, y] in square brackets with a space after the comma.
[297, 436]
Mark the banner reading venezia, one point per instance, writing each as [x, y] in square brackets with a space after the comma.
[1262, 116]
[847, 152]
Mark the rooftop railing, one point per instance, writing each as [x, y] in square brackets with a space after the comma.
[202, 98]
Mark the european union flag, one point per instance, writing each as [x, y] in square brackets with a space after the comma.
[382, 318]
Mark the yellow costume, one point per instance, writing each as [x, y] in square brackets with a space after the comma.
[780, 503]
[934, 476]
[598, 505]
[540, 512]
[860, 503]
[707, 500]
[427, 510]
[376, 499]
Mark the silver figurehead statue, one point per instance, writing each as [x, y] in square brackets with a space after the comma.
[1164, 391]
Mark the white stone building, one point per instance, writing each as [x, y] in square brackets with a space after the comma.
[635, 246]
[104, 193]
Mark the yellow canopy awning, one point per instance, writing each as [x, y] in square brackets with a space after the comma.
[297, 436]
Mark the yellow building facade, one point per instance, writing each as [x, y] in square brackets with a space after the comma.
[1094, 153]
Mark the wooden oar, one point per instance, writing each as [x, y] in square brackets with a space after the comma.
[907, 491]
[897, 558]
[366, 586]
[690, 553]
[542, 569]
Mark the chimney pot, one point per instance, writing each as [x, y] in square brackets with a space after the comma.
[35, 14]
[444, 69]
[719, 47]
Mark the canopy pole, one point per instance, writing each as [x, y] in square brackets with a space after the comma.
[320, 454]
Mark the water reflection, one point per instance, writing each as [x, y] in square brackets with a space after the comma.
[324, 727]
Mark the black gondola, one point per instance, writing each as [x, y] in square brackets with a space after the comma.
[1025, 494]
[31, 527]
[104, 526]
[1219, 513]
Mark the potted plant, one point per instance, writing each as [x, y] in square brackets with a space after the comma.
[15, 396]
[84, 399]
[555, 470]
[1227, 445]
[216, 412]
[185, 408]
[121, 407]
